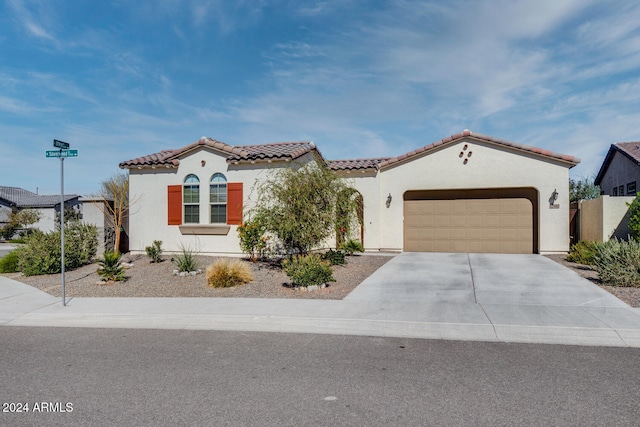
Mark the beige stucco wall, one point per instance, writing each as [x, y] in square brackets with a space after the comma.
[47, 221]
[489, 166]
[148, 218]
[604, 218]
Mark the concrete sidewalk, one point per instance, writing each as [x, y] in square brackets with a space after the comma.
[479, 297]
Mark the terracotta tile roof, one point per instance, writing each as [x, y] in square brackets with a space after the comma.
[293, 150]
[484, 138]
[631, 150]
[276, 150]
[169, 158]
[239, 154]
[26, 199]
[355, 164]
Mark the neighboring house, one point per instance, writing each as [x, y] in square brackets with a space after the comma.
[97, 211]
[465, 193]
[619, 174]
[17, 198]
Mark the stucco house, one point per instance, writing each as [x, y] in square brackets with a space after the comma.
[12, 198]
[619, 174]
[465, 193]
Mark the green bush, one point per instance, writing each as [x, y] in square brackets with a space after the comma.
[41, 252]
[154, 251]
[618, 262]
[334, 257]
[9, 263]
[352, 246]
[308, 270]
[80, 244]
[583, 252]
[186, 259]
[634, 217]
[225, 273]
[110, 267]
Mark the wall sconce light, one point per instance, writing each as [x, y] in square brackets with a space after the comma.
[203, 162]
[554, 197]
[388, 203]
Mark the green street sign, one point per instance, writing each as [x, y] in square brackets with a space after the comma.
[62, 153]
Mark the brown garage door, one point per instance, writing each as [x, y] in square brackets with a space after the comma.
[469, 225]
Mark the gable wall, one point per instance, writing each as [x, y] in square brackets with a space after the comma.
[621, 171]
[148, 219]
[489, 166]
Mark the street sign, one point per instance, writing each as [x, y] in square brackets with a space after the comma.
[62, 153]
[60, 144]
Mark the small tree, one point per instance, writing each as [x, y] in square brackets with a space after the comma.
[114, 193]
[302, 207]
[583, 189]
[19, 218]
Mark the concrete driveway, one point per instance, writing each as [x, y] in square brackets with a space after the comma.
[513, 297]
[479, 297]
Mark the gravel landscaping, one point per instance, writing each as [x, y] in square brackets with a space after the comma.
[627, 294]
[146, 279]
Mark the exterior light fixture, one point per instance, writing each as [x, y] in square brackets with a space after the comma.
[388, 203]
[554, 197]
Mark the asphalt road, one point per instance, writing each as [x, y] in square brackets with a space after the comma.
[160, 377]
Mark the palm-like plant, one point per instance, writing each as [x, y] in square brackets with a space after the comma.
[110, 267]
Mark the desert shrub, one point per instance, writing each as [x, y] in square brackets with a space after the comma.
[7, 232]
[301, 207]
[634, 217]
[253, 239]
[618, 262]
[154, 251]
[225, 273]
[80, 244]
[41, 253]
[9, 263]
[351, 246]
[110, 267]
[307, 270]
[185, 260]
[334, 257]
[583, 252]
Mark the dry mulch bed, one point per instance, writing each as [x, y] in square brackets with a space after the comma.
[627, 294]
[146, 279]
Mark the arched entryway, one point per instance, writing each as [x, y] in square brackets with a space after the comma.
[345, 229]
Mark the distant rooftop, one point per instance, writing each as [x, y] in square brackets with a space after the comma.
[22, 198]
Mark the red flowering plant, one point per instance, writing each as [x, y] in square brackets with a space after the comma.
[253, 240]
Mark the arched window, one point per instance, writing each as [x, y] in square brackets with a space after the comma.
[191, 199]
[218, 198]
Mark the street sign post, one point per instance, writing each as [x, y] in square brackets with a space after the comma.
[62, 153]
[60, 144]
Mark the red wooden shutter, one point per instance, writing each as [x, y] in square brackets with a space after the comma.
[234, 203]
[174, 198]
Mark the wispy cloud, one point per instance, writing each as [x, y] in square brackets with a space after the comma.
[34, 20]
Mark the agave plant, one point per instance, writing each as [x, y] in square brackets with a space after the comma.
[110, 267]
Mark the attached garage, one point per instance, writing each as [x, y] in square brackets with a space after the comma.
[480, 221]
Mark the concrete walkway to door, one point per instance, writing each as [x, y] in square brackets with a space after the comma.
[508, 298]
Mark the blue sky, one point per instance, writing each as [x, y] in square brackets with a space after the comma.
[121, 79]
